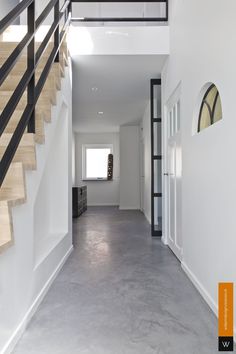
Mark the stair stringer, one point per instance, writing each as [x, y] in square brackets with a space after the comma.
[24, 281]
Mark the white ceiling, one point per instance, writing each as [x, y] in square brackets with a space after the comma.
[122, 83]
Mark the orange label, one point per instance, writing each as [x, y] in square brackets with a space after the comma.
[226, 309]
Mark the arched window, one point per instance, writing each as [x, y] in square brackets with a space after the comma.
[211, 109]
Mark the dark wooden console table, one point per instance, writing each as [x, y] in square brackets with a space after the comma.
[79, 200]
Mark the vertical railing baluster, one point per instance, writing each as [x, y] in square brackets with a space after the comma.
[69, 9]
[65, 14]
[167, 11]
[31, 64]
[57, 32]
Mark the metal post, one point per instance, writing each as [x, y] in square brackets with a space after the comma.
[167, 10]
[31, 64]
[70, 8]
[57, 32]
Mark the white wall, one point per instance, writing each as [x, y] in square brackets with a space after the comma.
[130, 167]
[202, 51]
[123, 40]
[41, 244]
[99, 192]
[6, 6]
[146, 141]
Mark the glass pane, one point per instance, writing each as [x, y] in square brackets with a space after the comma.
[121, 9]
[96, 162]
[218, 110]
[156, 101]
[210, 98]
[205, 119]
[171, 123]
[175, 119]
[154, 9]
[178, 115]
[157, 138]
[117, 9]
[157, 176]
[158, 213]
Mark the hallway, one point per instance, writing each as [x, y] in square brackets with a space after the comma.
[120, 292]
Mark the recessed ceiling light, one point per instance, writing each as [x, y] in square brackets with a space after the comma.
[94, 89]
[100, 112]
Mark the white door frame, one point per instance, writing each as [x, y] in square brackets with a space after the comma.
[175, 97]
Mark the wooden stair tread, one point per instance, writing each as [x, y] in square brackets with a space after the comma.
[23, 58]
[39, 124]
[26, 152]
[27, 139]
[13, 188]
[8, 47]
[13, 79]
[21, 66]
[45, 99]
[53, 81]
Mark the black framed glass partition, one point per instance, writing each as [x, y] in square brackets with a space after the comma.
[156, 158]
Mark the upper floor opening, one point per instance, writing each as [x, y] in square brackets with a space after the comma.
[110, 13]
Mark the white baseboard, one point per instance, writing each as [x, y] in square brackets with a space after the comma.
[164, 240]
[204, 293]
[207, 297]
[148, 218]
[9, 346]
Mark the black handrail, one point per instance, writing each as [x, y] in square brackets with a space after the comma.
[119, 19]
[28, 79]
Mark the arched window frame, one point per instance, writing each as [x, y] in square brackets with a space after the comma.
[204, 101]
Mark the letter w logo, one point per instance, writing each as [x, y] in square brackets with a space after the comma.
[226, 344]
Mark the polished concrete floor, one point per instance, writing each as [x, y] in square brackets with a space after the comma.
[120, 292]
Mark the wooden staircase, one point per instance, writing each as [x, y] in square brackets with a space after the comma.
[13, 191]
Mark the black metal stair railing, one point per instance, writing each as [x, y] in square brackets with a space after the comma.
[27, 81]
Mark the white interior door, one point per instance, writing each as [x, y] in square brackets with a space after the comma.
[173, 178]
